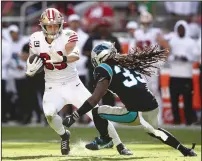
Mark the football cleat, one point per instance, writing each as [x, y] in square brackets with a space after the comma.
[126, 152]
[65, 149]
[99, 143]
[190, 151]
[123, 150]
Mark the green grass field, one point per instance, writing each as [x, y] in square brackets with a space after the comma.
[43, 144]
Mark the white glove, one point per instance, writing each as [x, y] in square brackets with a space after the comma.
[33, 67]
[55, 58]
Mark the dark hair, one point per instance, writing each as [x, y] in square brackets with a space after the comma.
[26, 48]
[142, 61]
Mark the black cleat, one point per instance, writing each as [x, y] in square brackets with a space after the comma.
[65, 149]
[123, 150]
[99, 143]
[190, 152]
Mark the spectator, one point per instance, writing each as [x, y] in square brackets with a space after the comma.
[194, 29]
[74, 23]
[31, 87]
[6, 58]
[96, 12]
[148, 6]
[25, 87]
[15, 70]
[101, 32]
[131, 28]
[5, 32]
[7, 8]
[147, 35]
[182, 57]
[132, 11]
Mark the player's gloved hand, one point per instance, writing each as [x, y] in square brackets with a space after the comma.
[56, 58]
[70, 119]
[33, 67]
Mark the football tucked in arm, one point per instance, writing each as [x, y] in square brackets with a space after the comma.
[31, 59]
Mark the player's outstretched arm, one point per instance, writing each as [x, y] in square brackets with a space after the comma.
[73, 55]
[89, 104]
[72, 49]
[99, 92]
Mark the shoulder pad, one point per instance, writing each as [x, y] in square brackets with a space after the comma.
[36, 35]
[107, 68]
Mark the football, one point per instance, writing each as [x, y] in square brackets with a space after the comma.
[31, 59]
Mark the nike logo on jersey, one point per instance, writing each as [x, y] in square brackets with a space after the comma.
[77, 85]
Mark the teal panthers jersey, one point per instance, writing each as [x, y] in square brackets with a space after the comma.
[128, 85]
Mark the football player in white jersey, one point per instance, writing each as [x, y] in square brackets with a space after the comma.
[147, 35]
[58, 51]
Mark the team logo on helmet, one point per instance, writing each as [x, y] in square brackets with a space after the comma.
[102, 52]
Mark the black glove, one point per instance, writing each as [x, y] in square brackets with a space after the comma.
[68, 121]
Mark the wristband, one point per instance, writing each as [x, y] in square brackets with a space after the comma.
[86, 107]
[64, 59]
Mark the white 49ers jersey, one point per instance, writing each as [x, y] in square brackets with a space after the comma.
[147, 38]
[54, 72]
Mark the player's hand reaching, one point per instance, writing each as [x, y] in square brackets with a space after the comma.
[56, 58]
[70, 119]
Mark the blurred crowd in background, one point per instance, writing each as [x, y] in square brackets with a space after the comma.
[172, 25]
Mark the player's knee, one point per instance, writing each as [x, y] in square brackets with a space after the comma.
[49, 118]
[49, 111]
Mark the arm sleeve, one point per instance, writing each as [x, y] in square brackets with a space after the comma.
[103, 71]
[71, 36]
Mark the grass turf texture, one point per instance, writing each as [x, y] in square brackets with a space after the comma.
[43, 144]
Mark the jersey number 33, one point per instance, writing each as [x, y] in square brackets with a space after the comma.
[131, 79]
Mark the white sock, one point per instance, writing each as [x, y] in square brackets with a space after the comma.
[56, 124]
[113, 134]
